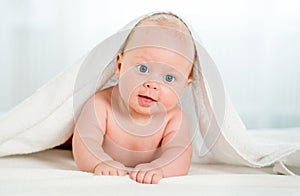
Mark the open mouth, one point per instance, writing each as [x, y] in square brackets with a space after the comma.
[146, 101]
[147, 98]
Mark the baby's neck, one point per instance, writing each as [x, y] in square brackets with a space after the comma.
[141, 119]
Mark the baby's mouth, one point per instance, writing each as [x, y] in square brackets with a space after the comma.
[147, 98]
[146, 101]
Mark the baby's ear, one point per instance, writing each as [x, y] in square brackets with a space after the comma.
[118, 65]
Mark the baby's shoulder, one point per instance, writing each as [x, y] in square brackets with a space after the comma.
[100, 100]
[177, 116]
[103, 96]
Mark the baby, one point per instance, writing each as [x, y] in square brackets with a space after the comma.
[138, 123]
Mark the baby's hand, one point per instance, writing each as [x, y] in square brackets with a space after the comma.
[146, 173]
[110, 168]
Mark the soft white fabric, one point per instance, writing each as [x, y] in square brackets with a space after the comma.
[54, 172]
[46, 119]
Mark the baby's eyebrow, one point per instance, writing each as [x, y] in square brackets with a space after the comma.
[142, 58]
[147, 60]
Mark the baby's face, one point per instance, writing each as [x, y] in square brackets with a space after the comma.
[151, 78]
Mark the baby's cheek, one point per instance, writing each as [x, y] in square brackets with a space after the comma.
[127, 86]
[169, 98]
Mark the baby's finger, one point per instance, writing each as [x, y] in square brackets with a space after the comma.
[156, 178]
[98, 172]
[113, 172]
[105, 172]
[148, 177]
[140, 176]
[133, 175]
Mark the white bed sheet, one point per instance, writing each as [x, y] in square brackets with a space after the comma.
[53, 172]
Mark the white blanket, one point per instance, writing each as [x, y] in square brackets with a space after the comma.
[53, 172]
[46, 119]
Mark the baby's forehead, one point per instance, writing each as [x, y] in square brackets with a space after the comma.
[162, 37]
[158, 59]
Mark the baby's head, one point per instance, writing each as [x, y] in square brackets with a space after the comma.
[155, 65]
[174, 30]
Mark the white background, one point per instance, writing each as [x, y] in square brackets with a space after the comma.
[255, 44]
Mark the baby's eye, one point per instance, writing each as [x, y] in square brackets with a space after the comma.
[169, 78]
[143, 68]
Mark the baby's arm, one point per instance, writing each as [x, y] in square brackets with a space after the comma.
[88, 139]
[176, 154]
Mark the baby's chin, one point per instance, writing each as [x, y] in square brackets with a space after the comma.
[145, 110]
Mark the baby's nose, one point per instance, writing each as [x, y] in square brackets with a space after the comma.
[151, 85]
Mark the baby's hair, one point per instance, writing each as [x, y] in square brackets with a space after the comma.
[166, 19]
